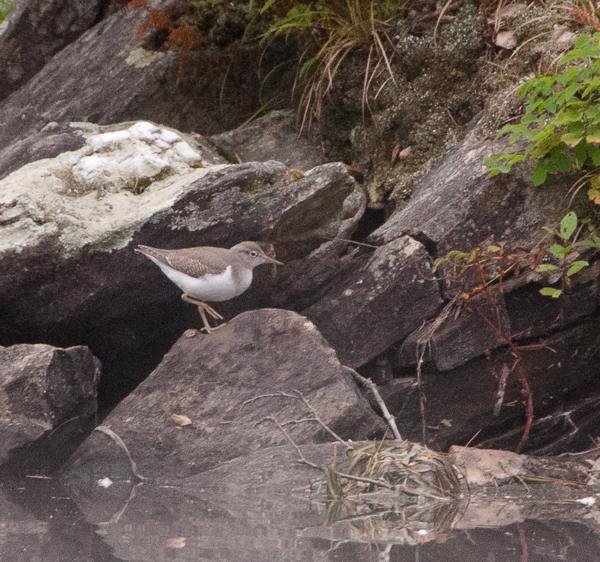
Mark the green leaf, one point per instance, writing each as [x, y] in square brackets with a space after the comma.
[582, 41]
[592, 112]
[570, 91]
[576, 127]
[545, 267]
[568, 224]
[546, 145]
[529, 118]
[539, 173]
[544, 133]
[558, 251]
[587, 243]
[594, 153]
[571, 139]
[567, 116]
[550, 292]
[550, 105]
[576, 266]
[581, 152]
[561, 160]
[593, 136]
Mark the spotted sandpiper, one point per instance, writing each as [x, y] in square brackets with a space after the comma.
[210, 274]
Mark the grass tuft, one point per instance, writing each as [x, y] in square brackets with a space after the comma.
[327, 33]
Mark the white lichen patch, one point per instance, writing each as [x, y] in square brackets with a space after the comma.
[131, 159]
[100, 195]
[140, 57]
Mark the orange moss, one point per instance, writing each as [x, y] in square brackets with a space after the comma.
[156, 20]
[185, 38]
[181, 36]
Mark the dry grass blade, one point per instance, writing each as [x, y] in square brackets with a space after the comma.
[443, 11]
[408, 467]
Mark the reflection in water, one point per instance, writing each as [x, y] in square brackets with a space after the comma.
[41, 521]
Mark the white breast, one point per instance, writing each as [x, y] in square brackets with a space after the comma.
[213, 288]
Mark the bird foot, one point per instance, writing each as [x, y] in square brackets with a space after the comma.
[209, 330]
[203, 309]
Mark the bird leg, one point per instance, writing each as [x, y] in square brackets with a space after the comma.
[211, 311]
[203, 308]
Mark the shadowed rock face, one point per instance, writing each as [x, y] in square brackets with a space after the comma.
[48, 398]
[226, 383]
[58, 22]
[378, 304]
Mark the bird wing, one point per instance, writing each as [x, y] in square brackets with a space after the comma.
[189, 260]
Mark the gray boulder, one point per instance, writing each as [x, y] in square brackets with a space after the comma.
[49, 402]
[35, 31]
[272, 137]
[378, 304]
[458, 206]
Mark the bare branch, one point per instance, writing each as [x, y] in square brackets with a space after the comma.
[299, 396]
[368, 383]
[320, 421]
[107, 431]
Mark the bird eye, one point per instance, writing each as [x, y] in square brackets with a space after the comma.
[253, 254]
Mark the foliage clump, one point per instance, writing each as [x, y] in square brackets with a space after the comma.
[561, 121]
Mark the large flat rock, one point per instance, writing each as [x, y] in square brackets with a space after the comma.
[227, 384]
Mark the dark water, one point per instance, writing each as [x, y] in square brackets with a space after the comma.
[43, 522]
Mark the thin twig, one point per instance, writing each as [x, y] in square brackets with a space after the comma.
[420, 355]
[119, 442]
[318, 419]
[437, 23]
[302, 458]
[367, 480]
[299, 396]
[368, 383]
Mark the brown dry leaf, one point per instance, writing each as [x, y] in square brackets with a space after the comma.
[176, 542]
[181, 420]
[405, 153]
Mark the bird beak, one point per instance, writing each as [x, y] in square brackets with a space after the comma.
[271, 260]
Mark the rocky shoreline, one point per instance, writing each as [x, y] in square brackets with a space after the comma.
[93, 335]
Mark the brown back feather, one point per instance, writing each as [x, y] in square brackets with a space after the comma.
[191, 261]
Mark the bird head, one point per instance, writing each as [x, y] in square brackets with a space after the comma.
[255, 253]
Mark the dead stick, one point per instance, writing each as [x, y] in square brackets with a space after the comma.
[368, 383]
